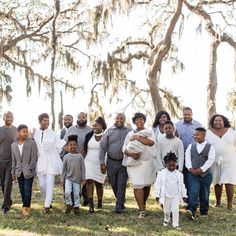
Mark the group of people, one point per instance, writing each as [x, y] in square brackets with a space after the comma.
[182, 159]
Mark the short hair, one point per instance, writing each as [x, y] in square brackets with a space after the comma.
[22, 126]
[42, 116]
[201, 129]
[100, 120]
[120, 114]
[225, 120]
[168, 122]
[170, 156]
[73, 137]
[158, 116]
[187, 109]
[7, 112]
[138, 115]
[69, 116]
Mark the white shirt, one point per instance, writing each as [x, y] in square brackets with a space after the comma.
[200, 146]
[49, 146]
[20, 146]
[171, 184]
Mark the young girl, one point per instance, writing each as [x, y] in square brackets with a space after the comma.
[73, 175]
[24, 161]
[170, 190]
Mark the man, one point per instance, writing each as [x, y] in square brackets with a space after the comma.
[68, 122]
[111, 143]
[81, 129]
[186, 129]
[8, 134]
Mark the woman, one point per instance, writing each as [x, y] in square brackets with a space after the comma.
[158, 125]
[142, 176]
[49, 162]
[223, 138]
[93, 173]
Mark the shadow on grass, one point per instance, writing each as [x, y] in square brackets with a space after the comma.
[106, 222]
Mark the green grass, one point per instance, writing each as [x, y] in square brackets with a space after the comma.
[105, 222]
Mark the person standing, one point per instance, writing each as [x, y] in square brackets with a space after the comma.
[49, 162]
[111, 144]
[142, 175]
[200, 156]
[80, 129]
[223, 138]
[8, 134]
[93, 172]
[68, 122]
[73, 175]
[24, 161]
[169, 143]
[185, 129]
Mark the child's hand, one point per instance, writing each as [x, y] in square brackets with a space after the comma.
[198, 171]
[184, 199]
[82, 182]
[157, 199]
[13, 178]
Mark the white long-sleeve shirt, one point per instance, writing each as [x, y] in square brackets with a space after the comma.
[200, 146]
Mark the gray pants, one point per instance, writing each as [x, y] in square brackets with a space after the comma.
[6, 183]
[117, 176]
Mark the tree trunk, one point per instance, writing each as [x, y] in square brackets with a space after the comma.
[53, 61]
[212, 83]
[60, 117]
[157, 56]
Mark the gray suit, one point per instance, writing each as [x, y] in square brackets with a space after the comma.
[26, 163]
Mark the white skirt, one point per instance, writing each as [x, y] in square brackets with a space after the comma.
[142, 175]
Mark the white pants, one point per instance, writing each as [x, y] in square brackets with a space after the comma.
[171, 205]
[46, 186]
[69, 185]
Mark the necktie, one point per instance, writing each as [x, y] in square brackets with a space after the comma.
[42, 137]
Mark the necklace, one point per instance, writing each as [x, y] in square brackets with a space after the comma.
[98, 135]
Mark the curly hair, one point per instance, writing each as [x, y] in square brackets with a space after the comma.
[225, 120]
[170, 157]
[139, 115]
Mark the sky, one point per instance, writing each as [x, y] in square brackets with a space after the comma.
[190, 85]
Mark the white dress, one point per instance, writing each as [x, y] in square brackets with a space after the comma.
[144, 174]
[224, 168]
[92, 164]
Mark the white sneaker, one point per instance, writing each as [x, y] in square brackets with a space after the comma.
[165, 223]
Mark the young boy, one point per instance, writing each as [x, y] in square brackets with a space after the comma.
[169, 143]
[199, 158]
[24, 161]
[73, 175]
[170, 190]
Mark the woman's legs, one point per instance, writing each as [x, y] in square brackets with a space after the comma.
[139, 196]
[146, 191]
[230, 194]
[99, 190]
[90, 191]
[218, 192]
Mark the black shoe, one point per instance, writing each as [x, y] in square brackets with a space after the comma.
[50, 206]
[190, 215]
[68, 209]
[5, 211]
[85, 203]
[91, 205]
[76, 211]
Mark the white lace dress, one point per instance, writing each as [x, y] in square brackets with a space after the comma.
[224, 168]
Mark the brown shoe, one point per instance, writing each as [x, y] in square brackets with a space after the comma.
[68, 209]
[25, 211]
[47, 211]
[76, 211]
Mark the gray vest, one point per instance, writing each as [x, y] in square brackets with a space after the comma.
[199, 159]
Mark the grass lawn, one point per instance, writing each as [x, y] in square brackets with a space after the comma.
[105, 222]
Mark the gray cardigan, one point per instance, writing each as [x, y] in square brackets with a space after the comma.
[26, 163]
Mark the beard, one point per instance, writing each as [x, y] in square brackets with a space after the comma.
[82, 123]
